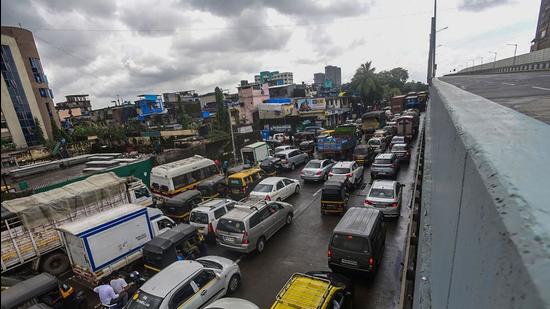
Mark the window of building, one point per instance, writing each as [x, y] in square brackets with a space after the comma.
[43, 92]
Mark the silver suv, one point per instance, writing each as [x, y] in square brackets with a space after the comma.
[206, 215]
[249, 225]
[291, 158]
[385, 165]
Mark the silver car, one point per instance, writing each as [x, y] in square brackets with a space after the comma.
[316, 170]
[249, 225]
[291, 158]
[386, 196]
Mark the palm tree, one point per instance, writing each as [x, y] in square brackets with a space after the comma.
[365, 82]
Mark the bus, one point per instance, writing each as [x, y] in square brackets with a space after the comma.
[172, 178]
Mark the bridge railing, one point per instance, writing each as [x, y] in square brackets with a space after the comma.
[534, 61]
[485, 220]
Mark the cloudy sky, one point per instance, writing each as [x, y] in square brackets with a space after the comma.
[128, 47]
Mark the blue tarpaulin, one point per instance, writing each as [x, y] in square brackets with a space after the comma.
[279, 100]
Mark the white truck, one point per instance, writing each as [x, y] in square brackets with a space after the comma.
[28, 224]
[105, 242]
[255, 153]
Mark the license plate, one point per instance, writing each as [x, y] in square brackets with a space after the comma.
[228, 239]
[235, 191]
[349, 262]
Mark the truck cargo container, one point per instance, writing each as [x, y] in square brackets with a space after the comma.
[108, 241]
[397, 103]
[373, 121]
[339, 145]
[255, 153]
[412, 102]
[29, 235]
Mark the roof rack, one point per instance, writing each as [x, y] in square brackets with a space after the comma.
[306, 296]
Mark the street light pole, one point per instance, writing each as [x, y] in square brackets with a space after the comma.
[515, 51]
[494, 61]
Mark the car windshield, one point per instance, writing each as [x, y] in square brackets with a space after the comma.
[235, 182]
[381, 193]
[398, 148]
[263, 188]
[374, 142]
[382, 161]
[350, 243]
[398, 140]
[210, 264]
[312, 164]
[198, 217]
[231, 226]
[361, 150]
[142, 300]
[340, 170]
[280, 155]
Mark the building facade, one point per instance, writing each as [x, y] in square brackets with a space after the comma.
[274, 78]
[542, 36]
[26, 95]
[318, 79]
[77, 105]
[250, 96]
[334, 74]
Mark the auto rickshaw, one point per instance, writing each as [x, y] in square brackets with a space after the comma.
[334, 197]
[363, 154]
[271, 166]
[179, 206]
[182, 242]
[307, 147]
[43, 288]
[212, 187]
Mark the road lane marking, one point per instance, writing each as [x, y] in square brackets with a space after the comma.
[541, 88]
[317, 192]
[509, 84]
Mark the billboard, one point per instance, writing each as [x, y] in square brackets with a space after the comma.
[304, 105]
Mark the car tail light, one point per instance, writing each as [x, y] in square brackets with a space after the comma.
[349, 174]
[267, 198]
[302, 172]
[367, 202]
[210, 228]
[243, 190]
[245, 238]
[330, 174]
[394, 165]
[329, 253]
[393, 204]
[371, 261]
[318, 173]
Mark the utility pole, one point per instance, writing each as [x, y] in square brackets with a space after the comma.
[431, 54]
[494, 61]
[515, 51]
[232, 135]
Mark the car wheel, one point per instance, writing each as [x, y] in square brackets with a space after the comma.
[234, 284]
[325, 177]
[297, 190]
[260, 246]
[288, 219]
[292, 167]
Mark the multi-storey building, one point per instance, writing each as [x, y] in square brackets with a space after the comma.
[542, 36]
[26, 96]
[334, 74]
[274, 78]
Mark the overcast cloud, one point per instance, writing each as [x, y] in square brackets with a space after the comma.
[107, 48]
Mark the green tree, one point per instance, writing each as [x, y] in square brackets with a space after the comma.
[366, 83]
[222, 117]
[38, 133]
[414, 86]
[58, 133]
[183, 117]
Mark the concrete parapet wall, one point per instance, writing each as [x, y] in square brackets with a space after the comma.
[485, 222]
[534, 61]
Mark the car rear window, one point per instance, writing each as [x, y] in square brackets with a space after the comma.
[234, 182]
[350, 243]
[398, 148]
[374, 142]
[340, 170]
[142, 300]
[313, 165]
[331, 195]
[198, 217]
[381, 193]
[230, 226]
[382, 161]
[280, 155]
[263, 188]
[361, 151]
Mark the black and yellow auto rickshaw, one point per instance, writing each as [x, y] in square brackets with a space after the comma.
[182, 242]
[334, 197]
[212, 187]
[42, 289]
[271, 166]
[179, 206]
[240, 184]
[363, 154]
[307, 147]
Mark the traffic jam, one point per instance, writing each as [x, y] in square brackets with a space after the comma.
[199, 234]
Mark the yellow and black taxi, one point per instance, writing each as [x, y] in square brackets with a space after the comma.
[240, 184]
[315, 290]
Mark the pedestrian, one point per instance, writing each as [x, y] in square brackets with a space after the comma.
[106, 293]
[118, 283]
[225, 167]
[218, 163]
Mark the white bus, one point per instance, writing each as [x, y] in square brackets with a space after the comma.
[172, 178]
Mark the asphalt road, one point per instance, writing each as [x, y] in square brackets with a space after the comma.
[527, 93]
[302, 247]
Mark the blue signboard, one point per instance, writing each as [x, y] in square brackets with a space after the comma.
[205, 114]
[265, 135]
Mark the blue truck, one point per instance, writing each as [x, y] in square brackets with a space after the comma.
[412, 101]
[339, 145]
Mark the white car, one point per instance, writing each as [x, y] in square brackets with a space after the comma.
[386, 196]
[349, 171]
[188, 284]
[283, 148]
[232, 303]
[205, 216]
[275, 189]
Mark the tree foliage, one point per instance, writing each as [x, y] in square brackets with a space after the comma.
[182, 115]
[38, 133]
[222, 116]
[366, 83]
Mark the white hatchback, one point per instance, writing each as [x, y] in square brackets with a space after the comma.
[275, 189]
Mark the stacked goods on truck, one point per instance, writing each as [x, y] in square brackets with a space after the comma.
[29, 234]
[423, 98]
[339, 145]
[108, 241]
[255, 153]
[373, 121]
[397, 103]
[407, 125]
